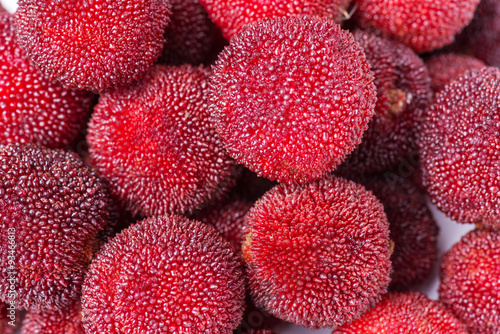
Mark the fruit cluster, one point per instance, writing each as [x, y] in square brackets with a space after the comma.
[218, 166]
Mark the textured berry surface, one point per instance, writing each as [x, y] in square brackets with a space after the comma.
[188, 35]
[290, 97]
[317, 254]
[32, 108]
[469, 281]
[413, 230]
[403, 93]
[165, 274]
[410, 312]
[5, 328]
[482, 36]
[92, 45]
[233, 15]
[255, 319]
[155, 146]
[446, 67]
[52, 207]
[423, 25]
[65, 321]
[460, 148]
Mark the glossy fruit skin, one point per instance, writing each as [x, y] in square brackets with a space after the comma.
[446, 67]
[52, 209]
[65, 321]
[409, 312]
[155, 146]
[33, 109]
[165, 274]
[469, 281]
[316, 245]
[92, 45]
[291, 97]
[423, 25]
[460, 148]
[234, 15]
[403, 94]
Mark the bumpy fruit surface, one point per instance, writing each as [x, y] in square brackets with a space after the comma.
[460, 148]
[92, 45]
[64, 321]
[290, 97]
[155, 146]
[52, 207]
[164, 275]
[317, 254]
[469, 281]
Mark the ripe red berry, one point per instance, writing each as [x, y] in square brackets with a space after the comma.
[155, 146]
[64, 321]
[403, 94]
[291, 97]
[32, 108]
[410, 312]
[165, 274]
[317, 254]
[92, 45]
[423, 25]
[52, 208]
[469, 281]
[446, 67]
[5, 327]
[460, 148]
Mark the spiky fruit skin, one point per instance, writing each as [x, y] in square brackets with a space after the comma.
[155, 146]
[34, 110]
[423, 25]
[5, 328]
[65, 321]
[409, 312]
[166, 274]
[232, 16]
[460, 148]
[413, 229]
[446, 67]
[188, 35]
[403, 93]
[52, 208]
[482, 36]
[92, 45]
[469, 281]
[316, 245]
[290, 97]
[228, 218]
[255, 319]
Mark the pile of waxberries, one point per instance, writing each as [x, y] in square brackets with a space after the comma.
[215, 166]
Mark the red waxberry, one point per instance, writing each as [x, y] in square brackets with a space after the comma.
[154, 144]
[446, 67]
[469, 281]
[232, 16]
[410, 312]
[164, 274]
[413, 229]
[423, 25]
[188, 35]
[403, 93]
[482, 36]
[291, 97]
[316, 245]
[460, 148]
[64, 321]
[52, 208]
[32, 108]
[92, 45]
[256, 319]
[7, 319]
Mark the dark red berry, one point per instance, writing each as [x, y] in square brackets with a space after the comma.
[460, 148]
[92, 45]
[52, 208]
[65, 321]
[7, 325]
[164, 274]
[32, 108]
[291, 97]
[317, 254]
[155, 146]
